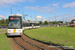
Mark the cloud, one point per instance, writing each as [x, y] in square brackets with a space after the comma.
[70, 18]
[40, 18]
[46, 9]
[9, 1]
[6, 2]
[65, 15]
[56, 4]
[40, 9]
[72, 5]
[31, 0]
[2, 17]
[72, 11]
[56, 12]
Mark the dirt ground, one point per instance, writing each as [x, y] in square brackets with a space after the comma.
[1, 29]
[40, 44]
[2, 32]
[15, 46]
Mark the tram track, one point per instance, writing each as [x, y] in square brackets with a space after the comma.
[20, 44]
[38, 44]
[26, 45]
[34, 44]
[53, 44]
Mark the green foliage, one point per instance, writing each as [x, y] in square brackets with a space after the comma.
[53, 22]
[46, 23]
[60, 35]
[40, 22]
[3, 22]
[28, 20]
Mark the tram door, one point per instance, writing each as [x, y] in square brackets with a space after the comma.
[32, 25]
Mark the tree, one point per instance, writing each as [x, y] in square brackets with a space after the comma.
[50, 22]
[28, 20]
[53, 22]
[2, 21]
[6, 21]
[46, 23]
[40, 22]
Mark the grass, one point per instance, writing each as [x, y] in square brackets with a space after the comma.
[60, 35]
[4, 45]
[3, 24]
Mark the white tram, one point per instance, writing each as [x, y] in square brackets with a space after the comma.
[16, 25]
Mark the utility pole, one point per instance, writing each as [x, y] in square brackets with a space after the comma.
[30, 18]
[63, 20]
[66, 21]
[11, 10]
[55, 20]
[35, 19]
[49, 22]
[23, 15]
[42, 21]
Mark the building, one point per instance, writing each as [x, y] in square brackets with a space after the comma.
[72, 23]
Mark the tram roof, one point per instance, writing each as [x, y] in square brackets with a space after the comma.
[15, 15]
[24, 21]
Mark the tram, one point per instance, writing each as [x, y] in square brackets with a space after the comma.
[16, 25]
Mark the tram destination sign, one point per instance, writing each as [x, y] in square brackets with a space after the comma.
[12, 18]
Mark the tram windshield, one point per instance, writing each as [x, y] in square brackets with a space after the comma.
[14, 23]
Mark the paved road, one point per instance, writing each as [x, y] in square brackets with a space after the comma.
[3, 28]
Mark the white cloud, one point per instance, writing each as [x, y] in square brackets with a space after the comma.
[40, 18]
[70, 18]
[46, 9]
[72, 11]
[56, 4]
[9, 1]
[41, 9]
[2, 17]
[31, 0]
[6, 2]
[72, 5]
[65, 15]
[56, 12]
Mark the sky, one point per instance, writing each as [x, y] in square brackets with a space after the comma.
[50, 10]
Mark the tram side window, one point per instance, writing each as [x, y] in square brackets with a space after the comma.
[38, 24]
[27, 24]
[30, 24]
[24, 25]
[34, 24]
